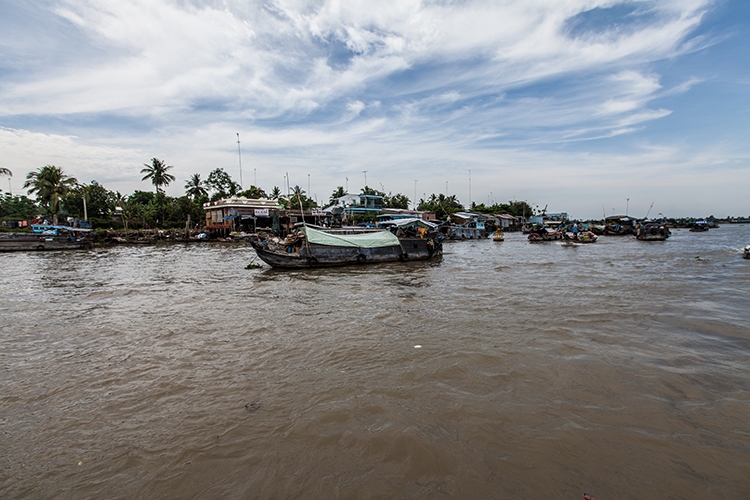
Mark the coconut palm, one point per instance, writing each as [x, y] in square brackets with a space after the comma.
[157, 172]
[5, 171]
[49, 184]
[194, 187]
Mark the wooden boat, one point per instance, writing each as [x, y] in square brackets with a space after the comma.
[310, 247]
[45, 237]
[652, 231]
[498, 236]
[538, 234]
[619, 225]
[699, 227]
[581, 237]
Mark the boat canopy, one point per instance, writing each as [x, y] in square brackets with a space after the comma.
[410, 222]
[373, 239]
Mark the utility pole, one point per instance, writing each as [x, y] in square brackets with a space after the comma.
[255, 177]
[308, 185]
[469, 189]
[415, 194]
[627, 204]
[239, 153]
[365, 172]
[347, 185]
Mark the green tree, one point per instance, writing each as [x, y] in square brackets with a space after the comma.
[369, 190]
[157, 172]
[253, 192]
[195, 187]
[49, 184]
[298, 198]
[221, 184]
[337, 193]
[275, 193]
[5, 171]
[17, 207]
[396, 201]
[99, 203]
[443, 206]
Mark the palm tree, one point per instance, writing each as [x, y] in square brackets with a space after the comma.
[194, 187]
[50, 184]
[5, 171]
[275, 193]
[157, 172]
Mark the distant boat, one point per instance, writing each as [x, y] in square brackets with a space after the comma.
[653, 231]
[699, 227]
[498, 236]
[311, 247]
[619, 225]
[746, 252]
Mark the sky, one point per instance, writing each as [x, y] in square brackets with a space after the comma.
[589, 107]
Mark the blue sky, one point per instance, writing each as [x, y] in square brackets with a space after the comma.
[585, 106]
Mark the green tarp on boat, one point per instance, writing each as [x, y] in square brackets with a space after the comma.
[375, 239]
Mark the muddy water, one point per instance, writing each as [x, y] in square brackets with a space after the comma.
[620, 369]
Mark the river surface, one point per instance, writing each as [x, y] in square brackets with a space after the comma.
[506, 370]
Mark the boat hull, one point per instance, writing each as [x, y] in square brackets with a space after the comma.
[333, 256]
[39, 243]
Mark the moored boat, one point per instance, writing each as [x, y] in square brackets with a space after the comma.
[310, 247]
[45, 237]
[498, 236]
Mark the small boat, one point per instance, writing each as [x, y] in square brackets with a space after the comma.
[746, 252]
[310, 247]
[498, 236]
[652, 231]
[699, 227]
[581, 237]
[538, 234]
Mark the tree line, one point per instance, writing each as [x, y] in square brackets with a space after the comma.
[57, 196]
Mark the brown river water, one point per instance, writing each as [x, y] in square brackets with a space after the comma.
[619, 369]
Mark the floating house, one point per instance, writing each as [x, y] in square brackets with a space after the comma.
[241, 214]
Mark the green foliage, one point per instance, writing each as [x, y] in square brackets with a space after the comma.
[296, 199]
[99, 202]
[515, 208]
[395, 201]
[369, 190]
[275, 193]
[253, 192]
[49, 184]
[221, 184]
[443, 206]
[195, 187]
[157, 172]
[337, 193]
[17, 207]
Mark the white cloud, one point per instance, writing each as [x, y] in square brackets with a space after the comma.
[399, 88]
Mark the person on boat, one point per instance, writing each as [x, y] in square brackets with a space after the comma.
[575, 230]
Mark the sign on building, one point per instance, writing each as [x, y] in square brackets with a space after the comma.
[261, 212]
